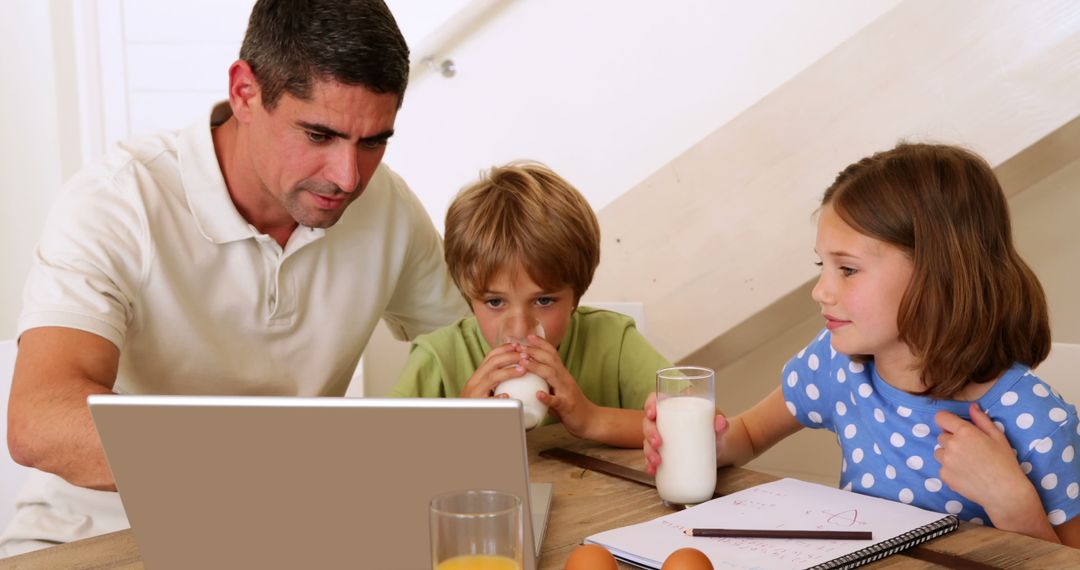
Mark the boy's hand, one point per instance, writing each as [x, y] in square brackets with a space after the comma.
[651, 448]
[501, 363]
[566, 402]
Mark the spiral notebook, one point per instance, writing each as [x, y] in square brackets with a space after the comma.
[787, 504]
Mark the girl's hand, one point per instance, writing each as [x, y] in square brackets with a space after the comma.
[501, 363]
[652, 436]
[566, 402]
[653, 439]
[977, 462]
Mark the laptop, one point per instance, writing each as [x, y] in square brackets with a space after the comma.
[282, 482]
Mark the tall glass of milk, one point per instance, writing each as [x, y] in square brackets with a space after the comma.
[515, 328]
[685, 415]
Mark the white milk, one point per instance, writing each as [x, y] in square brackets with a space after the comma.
[525, 388]
[687, 471]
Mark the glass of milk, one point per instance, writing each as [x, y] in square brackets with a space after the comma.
[685, 415]
[514, 328]
[476, 529]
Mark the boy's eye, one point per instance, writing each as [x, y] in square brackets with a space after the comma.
[317, 138]
[848, 271]
[545, 301]
[818, 263]
[494, 303]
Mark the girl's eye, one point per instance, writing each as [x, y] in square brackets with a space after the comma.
[848, 271]
[494, 303]
[317, 138]
[545, 301]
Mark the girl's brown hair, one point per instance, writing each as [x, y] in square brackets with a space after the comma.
[973, 307]
[522, 213]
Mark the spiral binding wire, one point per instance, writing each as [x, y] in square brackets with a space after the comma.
[893, 545]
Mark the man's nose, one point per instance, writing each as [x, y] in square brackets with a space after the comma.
[343, 169]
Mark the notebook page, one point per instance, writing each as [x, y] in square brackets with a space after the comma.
[784, 504]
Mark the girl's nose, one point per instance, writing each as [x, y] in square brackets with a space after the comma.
[822, 293]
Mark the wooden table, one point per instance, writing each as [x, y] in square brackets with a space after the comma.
[586, 502]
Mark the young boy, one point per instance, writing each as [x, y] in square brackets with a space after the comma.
[523, 240]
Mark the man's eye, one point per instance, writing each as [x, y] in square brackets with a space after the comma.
[373, 144]
[317, 137]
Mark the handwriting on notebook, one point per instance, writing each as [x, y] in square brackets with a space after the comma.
[787, 504]
[761, 503]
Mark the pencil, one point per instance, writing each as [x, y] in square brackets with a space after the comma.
[780, 533]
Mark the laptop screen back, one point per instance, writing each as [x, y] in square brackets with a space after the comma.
[274, 482]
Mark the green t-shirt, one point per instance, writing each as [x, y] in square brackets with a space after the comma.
[613, 364]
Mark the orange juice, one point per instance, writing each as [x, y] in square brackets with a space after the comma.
[478, 562]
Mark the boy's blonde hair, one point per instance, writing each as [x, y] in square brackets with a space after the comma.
[522, 213]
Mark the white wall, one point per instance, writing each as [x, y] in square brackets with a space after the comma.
[626, 87]
[1048, 238]
[171, 60]
[31, 160]
[720, 233]
[605, 92]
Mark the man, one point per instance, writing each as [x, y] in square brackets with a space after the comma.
[225, 258]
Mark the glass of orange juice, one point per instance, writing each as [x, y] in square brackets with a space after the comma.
[476, 530]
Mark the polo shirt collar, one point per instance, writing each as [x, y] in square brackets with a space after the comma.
[204, 185]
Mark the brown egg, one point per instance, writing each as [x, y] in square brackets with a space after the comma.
[686, 559]
[590, 557]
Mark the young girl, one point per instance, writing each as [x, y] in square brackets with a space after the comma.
[932, 326]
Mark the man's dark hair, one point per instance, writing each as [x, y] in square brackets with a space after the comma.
[291, 44]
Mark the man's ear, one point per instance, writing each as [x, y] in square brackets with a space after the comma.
[244, 93]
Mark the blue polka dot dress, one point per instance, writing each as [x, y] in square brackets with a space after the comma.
[888, 436]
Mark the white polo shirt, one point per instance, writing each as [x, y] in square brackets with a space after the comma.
[147, 250]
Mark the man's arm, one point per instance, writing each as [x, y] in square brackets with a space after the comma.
[424, 297]
[49, 425]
